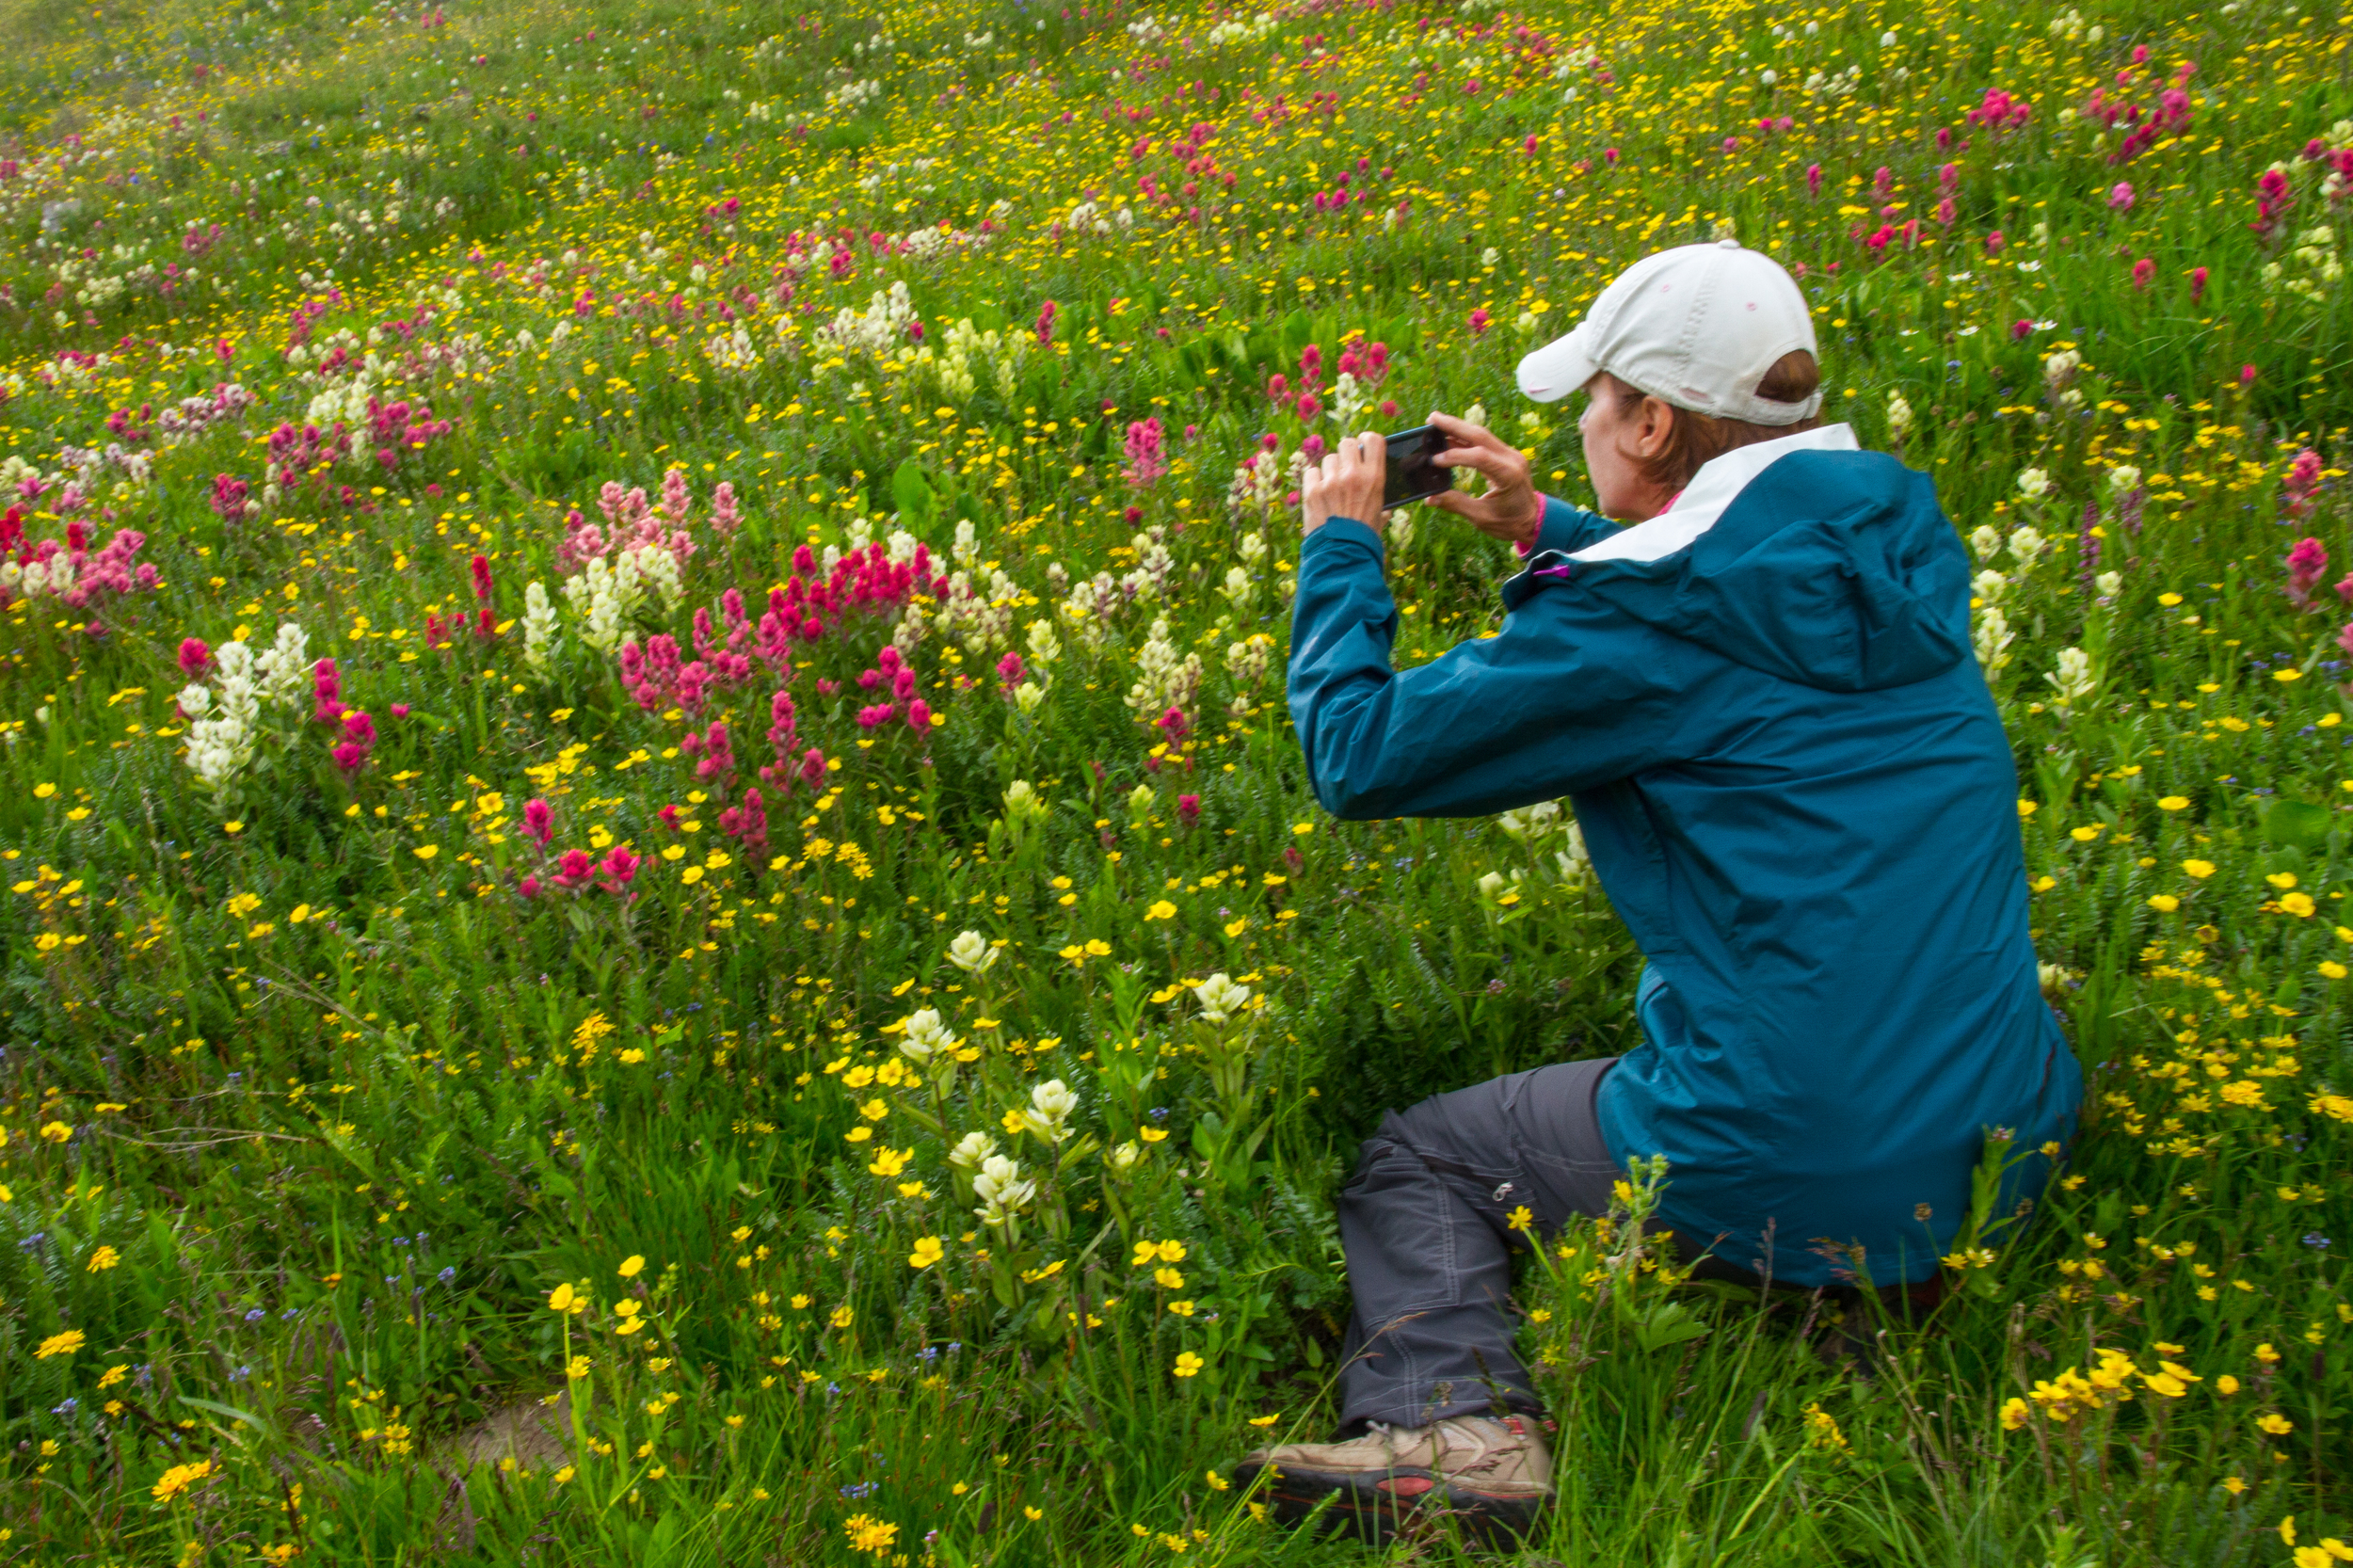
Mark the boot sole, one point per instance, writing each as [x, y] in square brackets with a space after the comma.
[1376, 1507]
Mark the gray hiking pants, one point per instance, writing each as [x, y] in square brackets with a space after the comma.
[1426, 1223]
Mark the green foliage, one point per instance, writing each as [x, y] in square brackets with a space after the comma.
[356, 1139]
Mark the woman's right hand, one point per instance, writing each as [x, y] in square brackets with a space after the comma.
[1511, 510]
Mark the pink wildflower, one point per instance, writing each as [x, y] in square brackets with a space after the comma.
[327, 690]
[2307, 562]
[359, 740]
[619, 867]
[2303, 478]
[1146, 461]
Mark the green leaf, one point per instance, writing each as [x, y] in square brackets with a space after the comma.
[913, 495]
[2296, 824]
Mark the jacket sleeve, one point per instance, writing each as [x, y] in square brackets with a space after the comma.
[1571, 695]
[1569, 529]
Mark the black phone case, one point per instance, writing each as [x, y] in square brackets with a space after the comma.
[1405, 484]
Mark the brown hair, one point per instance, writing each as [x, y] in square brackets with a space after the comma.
[1697, 438]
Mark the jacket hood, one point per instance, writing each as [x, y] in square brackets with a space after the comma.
[1835, 569]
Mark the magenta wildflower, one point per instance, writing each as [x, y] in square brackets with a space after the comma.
[327, 690]
[2307, 562]
[1146, 459]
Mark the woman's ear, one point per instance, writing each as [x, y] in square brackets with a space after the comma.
[1658, 426]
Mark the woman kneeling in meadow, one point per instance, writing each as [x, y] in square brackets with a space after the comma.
[1797, 795]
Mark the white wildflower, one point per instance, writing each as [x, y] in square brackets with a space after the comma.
[2073, 679]
[972, 953]
[539, 642]
[1049, 1112]
[1220, 999]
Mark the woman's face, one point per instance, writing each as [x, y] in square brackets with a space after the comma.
[1620, 427]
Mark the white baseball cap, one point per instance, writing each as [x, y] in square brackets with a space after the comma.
[1697, 325]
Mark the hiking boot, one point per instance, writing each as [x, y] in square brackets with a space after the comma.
[1492, 1471]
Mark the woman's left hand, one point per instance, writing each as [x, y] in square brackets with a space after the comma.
[1346, 484]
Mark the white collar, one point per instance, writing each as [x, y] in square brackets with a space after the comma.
[1719, 480]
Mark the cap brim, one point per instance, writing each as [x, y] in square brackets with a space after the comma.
[1559, 368]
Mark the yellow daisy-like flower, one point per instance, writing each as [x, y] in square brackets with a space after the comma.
[1187, 1363]
[179, 1478]
[60, 1344]
[927, 1252]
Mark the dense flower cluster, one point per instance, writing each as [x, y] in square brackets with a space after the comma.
[840, 481]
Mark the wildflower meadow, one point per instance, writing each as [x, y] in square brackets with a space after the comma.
[659, 905]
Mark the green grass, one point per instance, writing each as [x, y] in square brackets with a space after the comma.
[310, 1110]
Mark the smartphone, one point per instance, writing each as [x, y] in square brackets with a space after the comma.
[1412, 475]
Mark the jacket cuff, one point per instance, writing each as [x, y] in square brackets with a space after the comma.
[1346, 529]
[1556, 530]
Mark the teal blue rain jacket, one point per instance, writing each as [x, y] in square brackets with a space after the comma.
[1797, 795]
